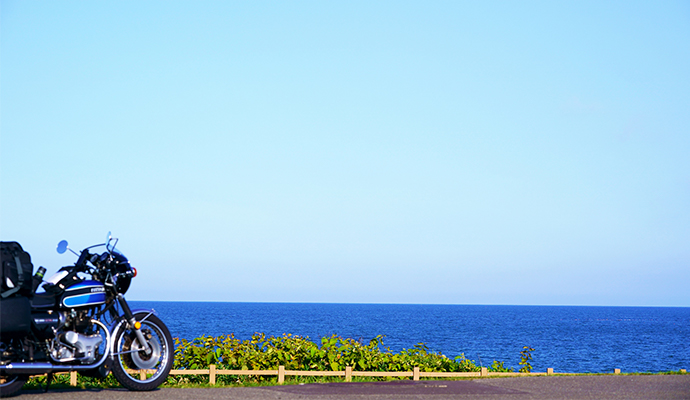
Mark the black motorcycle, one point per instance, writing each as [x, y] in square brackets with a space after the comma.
[80, 322]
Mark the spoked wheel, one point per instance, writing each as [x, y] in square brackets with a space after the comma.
[132, 366]
[11, 384]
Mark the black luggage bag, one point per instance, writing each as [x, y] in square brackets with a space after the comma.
[15, 317]
[16, 272]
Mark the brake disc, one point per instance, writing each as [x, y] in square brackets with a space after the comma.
[139, 356]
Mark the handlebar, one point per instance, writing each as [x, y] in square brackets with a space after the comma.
[128, 274]
[83, 257]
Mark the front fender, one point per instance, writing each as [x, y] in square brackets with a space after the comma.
[121, 323]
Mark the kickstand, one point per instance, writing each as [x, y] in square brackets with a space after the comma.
[49, 379]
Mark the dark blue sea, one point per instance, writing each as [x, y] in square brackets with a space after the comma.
[566, 338]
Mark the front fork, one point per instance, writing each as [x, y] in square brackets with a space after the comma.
[134, 324]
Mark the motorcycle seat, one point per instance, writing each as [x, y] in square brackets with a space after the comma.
[43, 300]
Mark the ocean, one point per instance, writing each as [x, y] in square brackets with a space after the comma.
[566, 338]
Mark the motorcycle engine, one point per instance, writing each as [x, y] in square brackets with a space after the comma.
[75, 346]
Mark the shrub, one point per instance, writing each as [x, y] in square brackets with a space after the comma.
[299, 353]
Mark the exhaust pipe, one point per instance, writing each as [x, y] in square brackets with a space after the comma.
[36, 368]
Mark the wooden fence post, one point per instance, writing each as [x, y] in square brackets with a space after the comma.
[617, 371]
[281, 374]
[348, 374]
[212, 374]
[415, 374]
[484, 372]
[142, 374]
[73, 378]
[549, 371]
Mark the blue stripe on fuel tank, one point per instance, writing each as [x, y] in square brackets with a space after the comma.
[82, 300]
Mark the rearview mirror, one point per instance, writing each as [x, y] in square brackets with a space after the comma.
[62, 247]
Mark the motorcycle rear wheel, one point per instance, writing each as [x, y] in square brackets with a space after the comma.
[129, 362]
[11, 384]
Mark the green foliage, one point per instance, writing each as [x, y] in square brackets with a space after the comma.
[61, 381]
[497, 366]
[526, 356]
[299, 353]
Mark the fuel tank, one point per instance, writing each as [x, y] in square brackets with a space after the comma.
[85, 293]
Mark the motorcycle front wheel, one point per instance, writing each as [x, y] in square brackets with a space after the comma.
[11, 384]
[131, 366]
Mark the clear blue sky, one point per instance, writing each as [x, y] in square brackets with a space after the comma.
[452, 152]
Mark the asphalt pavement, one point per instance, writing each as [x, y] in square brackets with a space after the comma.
[612, 387]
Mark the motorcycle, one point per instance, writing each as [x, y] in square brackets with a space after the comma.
[82, 322]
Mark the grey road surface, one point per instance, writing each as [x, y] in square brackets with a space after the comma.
[556, 387]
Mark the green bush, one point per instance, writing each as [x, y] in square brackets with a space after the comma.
[299, 353]
[498, 366]
[525, 357]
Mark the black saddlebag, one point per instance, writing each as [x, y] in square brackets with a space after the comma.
[16, 270]
[15, 316]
